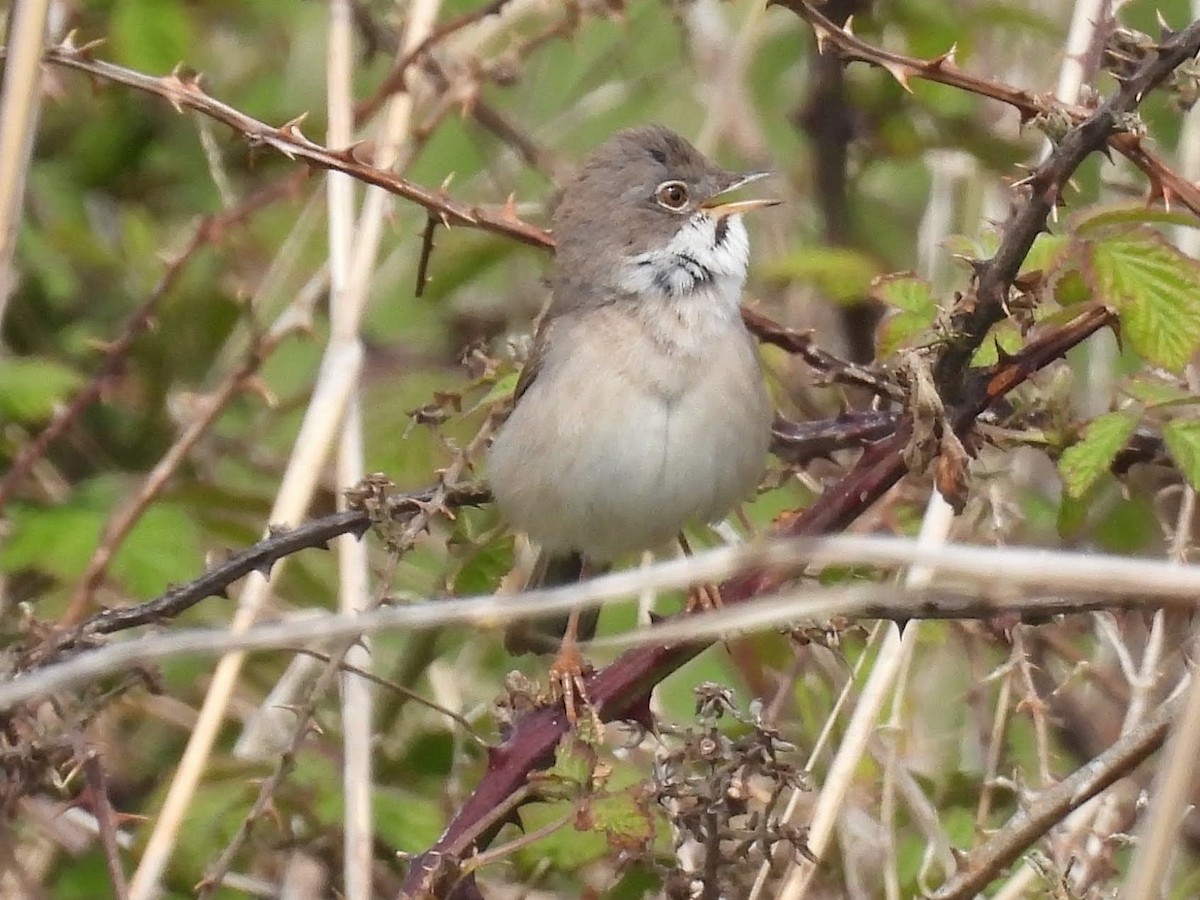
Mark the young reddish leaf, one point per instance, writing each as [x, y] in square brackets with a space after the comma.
[624, 817]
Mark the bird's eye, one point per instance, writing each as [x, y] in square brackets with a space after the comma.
[672, 195]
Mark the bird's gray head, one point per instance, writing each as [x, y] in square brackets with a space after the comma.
[645, 218]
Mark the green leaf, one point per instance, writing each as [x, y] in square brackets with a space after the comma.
[916, 310]
[839, 272]
[1084, 462]
[501, 389]
[151, 35]
[1046, 253]
[30, 388]
[55, 540]
[1158, 393]
[163, 548]
[1097, 218]
[1072, 517]
[1071, 287]
[574, 765]
[406, 820]
[1154, 289]
[1006, 335]
[624, 817]
[482, 569]
[1128, 526]
[1182, 437]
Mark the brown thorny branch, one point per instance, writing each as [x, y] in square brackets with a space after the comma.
[183, 91]
[622, 689]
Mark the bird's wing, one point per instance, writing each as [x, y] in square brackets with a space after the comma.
[537, 356]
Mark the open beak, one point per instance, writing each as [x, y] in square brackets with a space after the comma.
[719, 210]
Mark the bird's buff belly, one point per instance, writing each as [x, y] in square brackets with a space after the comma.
[624, 471]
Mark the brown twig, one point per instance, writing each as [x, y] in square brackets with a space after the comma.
[431, 224]
[799, 443]
[394, 80]
[90, 763]
[978, 310]
[184, 92]
[1037, 816]
[1165, 182]
[401, 508]
[803, 345]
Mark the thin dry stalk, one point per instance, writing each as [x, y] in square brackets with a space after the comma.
[20, 98]
[1007, 572]
[896, 647]
[353, 573]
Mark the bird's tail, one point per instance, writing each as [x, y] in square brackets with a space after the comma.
[543, 635]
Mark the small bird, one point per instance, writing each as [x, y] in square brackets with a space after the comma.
[642, 406]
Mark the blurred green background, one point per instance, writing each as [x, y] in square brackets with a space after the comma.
[119, 181]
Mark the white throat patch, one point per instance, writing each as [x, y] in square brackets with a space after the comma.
[694, 262]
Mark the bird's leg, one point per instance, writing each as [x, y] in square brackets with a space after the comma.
[703, 596]
[567, 673]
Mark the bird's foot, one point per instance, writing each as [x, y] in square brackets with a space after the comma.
[567, 683]
[702, 598]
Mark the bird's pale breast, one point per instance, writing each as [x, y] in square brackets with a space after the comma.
[621, 439]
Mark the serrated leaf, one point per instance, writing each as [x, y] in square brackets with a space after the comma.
[623, 817]
[482, 569]
[30, 388]
[915, 310]
[574, 763]
[1153, 287]
[1084, 462]
[1097, 218]
[1182, 438]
